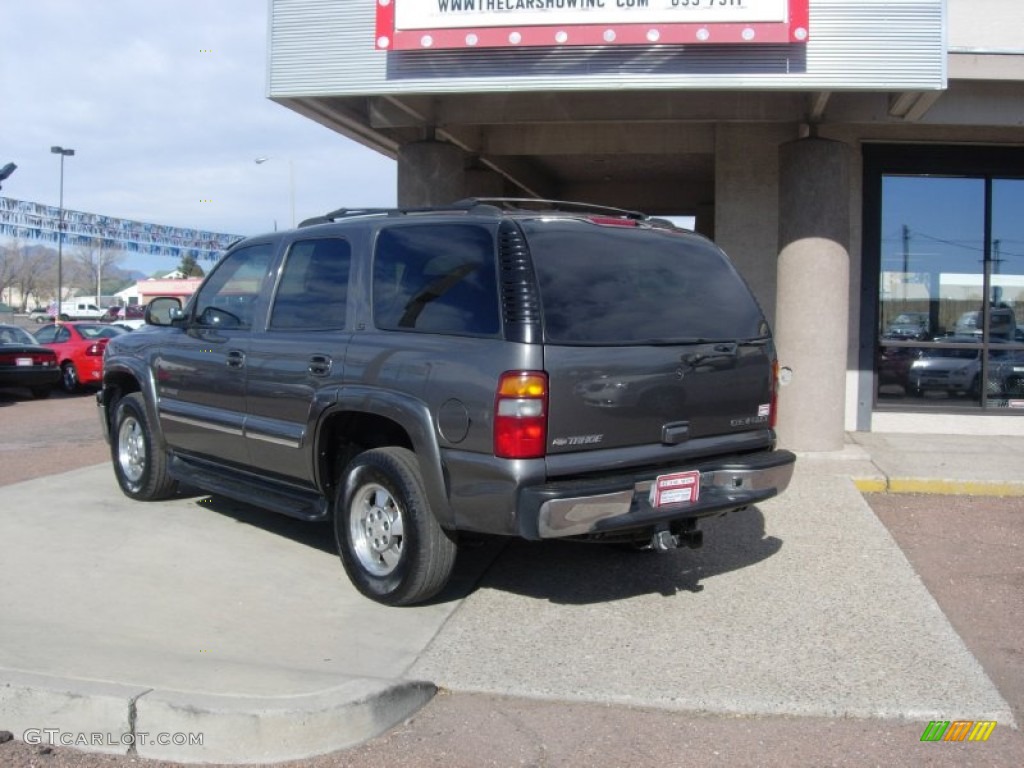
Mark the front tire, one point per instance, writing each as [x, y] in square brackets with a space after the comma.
[139, 464]
[390, 543]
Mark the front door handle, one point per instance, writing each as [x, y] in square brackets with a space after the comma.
[235, 359]
[320, 365]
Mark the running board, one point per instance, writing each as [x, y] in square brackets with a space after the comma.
[250, 489]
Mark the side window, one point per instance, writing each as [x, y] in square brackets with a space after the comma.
[46, 334]
[436, 279]
[227, 299]
[313, 292]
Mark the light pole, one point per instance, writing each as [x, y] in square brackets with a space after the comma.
[60, 228]
[291, 182]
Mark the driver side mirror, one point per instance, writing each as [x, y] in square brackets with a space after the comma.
[163, 311]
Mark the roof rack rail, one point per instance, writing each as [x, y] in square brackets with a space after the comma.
[493, 205]
[531, 203]
[462, 206]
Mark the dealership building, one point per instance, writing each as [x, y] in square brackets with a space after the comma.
[861, 161]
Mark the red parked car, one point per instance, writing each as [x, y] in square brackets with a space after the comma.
[79, 347]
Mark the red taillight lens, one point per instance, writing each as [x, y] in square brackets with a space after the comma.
[96, 349]
[38, 358]
[521, 415]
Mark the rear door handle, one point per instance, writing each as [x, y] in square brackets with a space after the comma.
[235, 359]
[320, 365]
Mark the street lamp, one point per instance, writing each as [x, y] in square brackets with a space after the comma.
[7, 170]
[60, 228]
[291, 182]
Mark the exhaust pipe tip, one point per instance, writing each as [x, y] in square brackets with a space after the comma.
[663, 541]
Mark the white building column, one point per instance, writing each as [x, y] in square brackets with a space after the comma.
[812, 306]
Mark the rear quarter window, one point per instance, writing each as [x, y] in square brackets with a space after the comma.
[436, 278]
[618, 285]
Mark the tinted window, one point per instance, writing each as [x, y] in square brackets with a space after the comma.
[10, 334]
[314, 286]
[228, 298]
[46, 334]
[619, 285]
[99, 331]
[437, 279]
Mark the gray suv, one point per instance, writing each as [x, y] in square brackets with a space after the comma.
[505, 367]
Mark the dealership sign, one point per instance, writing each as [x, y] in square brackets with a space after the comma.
[407, 25]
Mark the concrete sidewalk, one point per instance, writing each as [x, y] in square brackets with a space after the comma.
[125, 620]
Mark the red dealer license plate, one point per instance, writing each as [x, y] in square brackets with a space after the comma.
[677, 488]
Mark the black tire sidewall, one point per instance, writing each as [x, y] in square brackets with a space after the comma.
[376, 467]
[132, 405]
[64, 369]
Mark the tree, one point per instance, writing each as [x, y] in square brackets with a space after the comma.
[34, 273]
[90, 265]
[8, 268]
[189, 267]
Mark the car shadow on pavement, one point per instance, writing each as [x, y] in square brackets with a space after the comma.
[476, 553]
[316, 535]
[575, 573]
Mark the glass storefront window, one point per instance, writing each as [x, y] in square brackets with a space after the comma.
[951, 292]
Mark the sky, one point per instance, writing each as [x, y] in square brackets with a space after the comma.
[164, 103]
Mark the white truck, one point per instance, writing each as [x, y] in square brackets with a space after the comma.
[80, 309]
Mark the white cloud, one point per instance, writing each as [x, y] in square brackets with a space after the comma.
[164, 102]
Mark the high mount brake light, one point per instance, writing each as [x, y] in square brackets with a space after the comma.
[613, 221]
[521, 415]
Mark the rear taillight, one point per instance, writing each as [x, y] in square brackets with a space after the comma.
[521, 415]
[773, 412]
[37, 358]
[96, 349]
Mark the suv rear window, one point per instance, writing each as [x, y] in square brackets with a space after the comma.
[618, 285]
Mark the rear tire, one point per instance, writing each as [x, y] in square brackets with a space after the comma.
[139, 464]
[390, 543]
[69, 378]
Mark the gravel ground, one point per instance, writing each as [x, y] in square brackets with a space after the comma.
[967, 551]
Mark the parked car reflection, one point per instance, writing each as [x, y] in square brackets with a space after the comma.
[953, 370]
[909, 326]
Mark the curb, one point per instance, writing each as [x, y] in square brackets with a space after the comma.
[187, 727]
[937, 486]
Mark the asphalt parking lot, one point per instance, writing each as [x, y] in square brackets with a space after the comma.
[562, 655]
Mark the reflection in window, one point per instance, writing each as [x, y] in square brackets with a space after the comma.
[949, 298]
[436, 279]
[313, 291]
[228, 297]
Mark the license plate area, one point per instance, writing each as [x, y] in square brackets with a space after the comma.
[23, 361]
[675, 488]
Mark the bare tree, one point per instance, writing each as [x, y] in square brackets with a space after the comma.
[91, 264]
[8, 268]
[31, 272]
